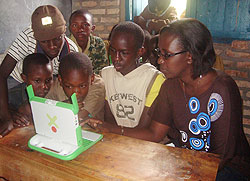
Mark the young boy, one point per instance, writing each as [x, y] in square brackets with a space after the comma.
[76, 76]
[38, 72]
[81, 26]
[130, 87]
[47, 36]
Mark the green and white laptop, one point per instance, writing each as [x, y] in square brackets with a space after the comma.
[58, 132]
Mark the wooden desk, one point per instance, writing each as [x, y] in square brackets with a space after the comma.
[114, 158]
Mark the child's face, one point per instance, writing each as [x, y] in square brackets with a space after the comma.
[123, 51]
[52, 47]
[81, 26]
[174, 66]
[41, 78]
[75, 81]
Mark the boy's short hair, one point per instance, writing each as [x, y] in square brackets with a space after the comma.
[33, 60]
[47, 23]
[129, 27]
[76, 61]
[81, 12]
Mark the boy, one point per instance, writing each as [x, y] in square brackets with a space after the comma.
[38, 72]
[46, 35]
[81, 26]
[130, 87]
[76, 76]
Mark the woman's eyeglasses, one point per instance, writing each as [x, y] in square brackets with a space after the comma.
[167, 55]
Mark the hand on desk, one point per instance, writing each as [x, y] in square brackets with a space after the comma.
[23, 116]
[98, 125]
[21, 120]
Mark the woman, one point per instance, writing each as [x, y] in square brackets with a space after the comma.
[203, 105]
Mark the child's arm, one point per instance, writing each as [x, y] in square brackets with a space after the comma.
[23, 116]
[5, 127]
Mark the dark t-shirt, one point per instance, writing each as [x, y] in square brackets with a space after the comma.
[211, 122]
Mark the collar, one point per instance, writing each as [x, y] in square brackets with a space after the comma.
[64, 50]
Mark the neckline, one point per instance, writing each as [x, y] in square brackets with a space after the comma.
[182, 84]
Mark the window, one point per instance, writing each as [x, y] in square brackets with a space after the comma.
[135, 7]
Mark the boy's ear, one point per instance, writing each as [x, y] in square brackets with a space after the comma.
[92, 78]
[60, 79]
[93, 28]
[24, 77]
[141, 51]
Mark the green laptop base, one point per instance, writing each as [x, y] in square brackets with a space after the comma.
[86, 145]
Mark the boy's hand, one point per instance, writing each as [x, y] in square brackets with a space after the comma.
[20, 120]
[93, 123]
[5, 127]
[81, 105]
[98, 125]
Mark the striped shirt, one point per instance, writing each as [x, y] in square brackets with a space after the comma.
[24, 45]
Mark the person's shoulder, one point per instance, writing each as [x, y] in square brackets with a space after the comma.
[72, 45]
[224, 83]
[223, 78]
[107, 70]
[28, 31]
[170, 14]
[96, 40]
[98, 80]
[26, 34]
[56, 92]
[150, 67]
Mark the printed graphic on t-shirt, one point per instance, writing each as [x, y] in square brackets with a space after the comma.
[125, 105]
[199, 127]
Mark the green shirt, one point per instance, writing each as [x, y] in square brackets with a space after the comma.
[96, 51]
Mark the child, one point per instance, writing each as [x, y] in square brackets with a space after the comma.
[38, 72]
[47, 36]
[155, 15]
[81, 26]
[131, 87]
[76, 76]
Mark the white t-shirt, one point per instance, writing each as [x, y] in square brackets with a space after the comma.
[126, 95]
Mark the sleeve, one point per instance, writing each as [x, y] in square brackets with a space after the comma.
[161, 109]
[154, 91]
[171, 14]
[72, 45]
[19, 49]
[56, 92]
[100, 56]
[94, 101]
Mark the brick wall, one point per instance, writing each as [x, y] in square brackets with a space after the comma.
[106, 13]
[236, 63]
